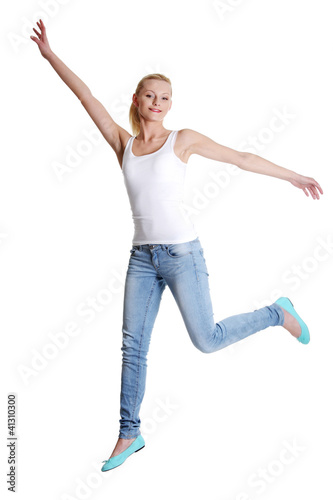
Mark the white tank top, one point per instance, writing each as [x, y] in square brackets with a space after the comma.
[155, 185]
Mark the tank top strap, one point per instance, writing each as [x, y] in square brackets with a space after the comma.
[129, 142]
[169, 143]
[173, 136]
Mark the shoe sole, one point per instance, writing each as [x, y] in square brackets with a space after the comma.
[140, 448]
[111, 468]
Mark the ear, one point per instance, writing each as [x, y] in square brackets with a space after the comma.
[135, 100]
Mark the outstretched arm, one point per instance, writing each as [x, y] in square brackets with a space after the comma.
[202, 145]
[255, 163]
[109, 129]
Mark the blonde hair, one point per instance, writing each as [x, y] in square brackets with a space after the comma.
[134, 116]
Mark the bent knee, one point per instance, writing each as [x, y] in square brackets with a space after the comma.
[205, 348]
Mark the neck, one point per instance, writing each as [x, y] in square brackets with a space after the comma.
[151, 131]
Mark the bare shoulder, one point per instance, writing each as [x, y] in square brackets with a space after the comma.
[185, 137]
[188, 138]
[184, 143]
[187, 141]
[192, 142]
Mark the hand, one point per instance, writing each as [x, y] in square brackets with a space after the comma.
[307, 184]
[42, 41]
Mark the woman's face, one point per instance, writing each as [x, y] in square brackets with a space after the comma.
[154, 99]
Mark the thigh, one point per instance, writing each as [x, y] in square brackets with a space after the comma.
[142, 296]
[188, 279]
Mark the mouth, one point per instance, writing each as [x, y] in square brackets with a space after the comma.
[155, 110]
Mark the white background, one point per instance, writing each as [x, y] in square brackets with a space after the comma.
[215, 425]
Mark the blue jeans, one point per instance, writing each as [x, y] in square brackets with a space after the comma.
[182, 267]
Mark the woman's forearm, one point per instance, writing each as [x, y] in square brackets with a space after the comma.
[257, 164]
[79, 88]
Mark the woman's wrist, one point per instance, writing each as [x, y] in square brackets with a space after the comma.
[48, 56]
[294, 176]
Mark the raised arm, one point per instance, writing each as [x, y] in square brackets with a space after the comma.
[110, 130]
[200, 144]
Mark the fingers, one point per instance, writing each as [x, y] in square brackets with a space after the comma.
[313, 187]
[41, 35]
[317, 185]
[311, 191]
[41, 27]
[314, 193]
[38, 34]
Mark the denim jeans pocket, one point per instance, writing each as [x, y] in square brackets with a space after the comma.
[179, 249]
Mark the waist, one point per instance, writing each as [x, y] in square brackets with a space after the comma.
[157, 230]
[164, 246]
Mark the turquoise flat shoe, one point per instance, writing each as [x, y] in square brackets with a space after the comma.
[288, 306]
[113, 462]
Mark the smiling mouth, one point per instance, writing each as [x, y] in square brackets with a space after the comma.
[155, 110]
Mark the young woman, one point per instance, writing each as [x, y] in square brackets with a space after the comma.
[166, 249]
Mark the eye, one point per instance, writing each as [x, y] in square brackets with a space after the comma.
[149, 95]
